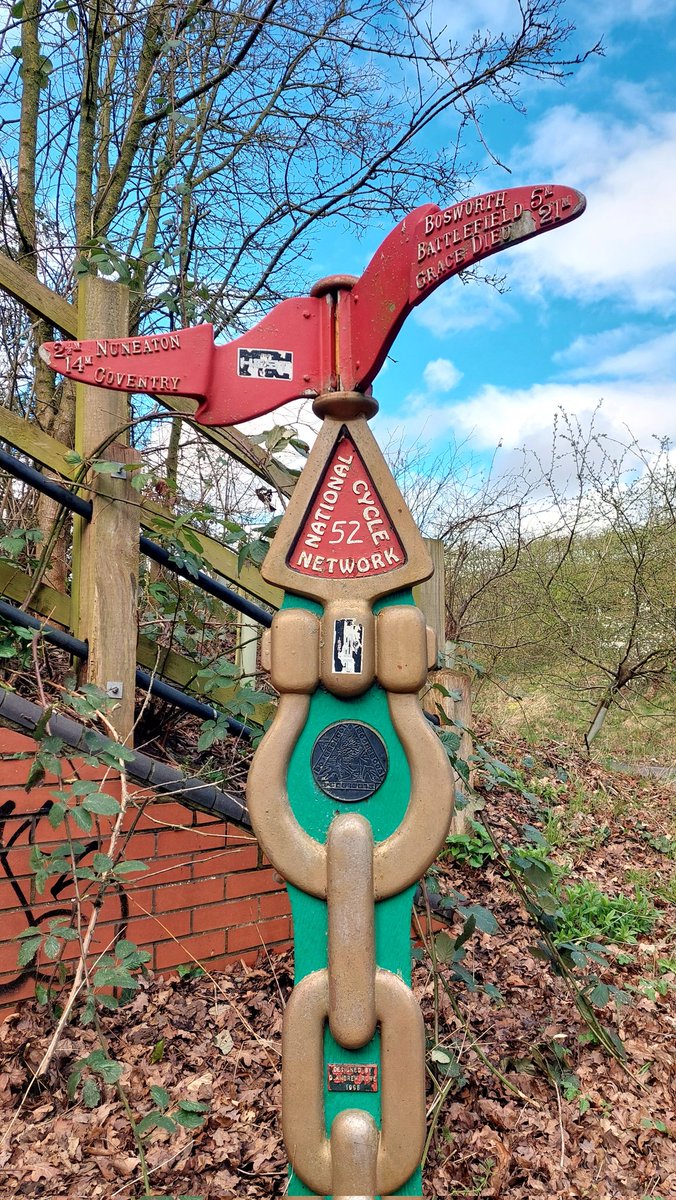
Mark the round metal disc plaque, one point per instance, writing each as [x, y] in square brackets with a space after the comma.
[349, 761]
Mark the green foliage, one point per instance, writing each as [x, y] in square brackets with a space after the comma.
[191, 1114]
[659, 841]
[254, 548]
[99, 255]
[586, 913]
[15, 643]
[82, 801]
[279, 438]
[135, 473]
[50, 940]
[188, 971]
[475, 849]
[15, 544]
[96, 1063]
[446, 1063]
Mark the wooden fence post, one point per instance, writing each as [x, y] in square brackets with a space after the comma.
[106, 550]
[246, 654]
[431, 597]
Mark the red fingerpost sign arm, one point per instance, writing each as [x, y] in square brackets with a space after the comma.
[430, 246]
[336, 338]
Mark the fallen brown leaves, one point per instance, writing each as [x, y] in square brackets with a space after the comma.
[216, 1040]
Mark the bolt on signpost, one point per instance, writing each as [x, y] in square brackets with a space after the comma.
[350, 792]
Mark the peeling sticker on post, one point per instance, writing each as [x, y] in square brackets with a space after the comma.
[348, 637]
[265, 364]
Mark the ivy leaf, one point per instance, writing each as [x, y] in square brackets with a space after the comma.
[52, 947]
[28, 949]
[91, 1094]
[101, 804]
[160, 1096]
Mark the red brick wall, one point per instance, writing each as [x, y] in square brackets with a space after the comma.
[207, 895]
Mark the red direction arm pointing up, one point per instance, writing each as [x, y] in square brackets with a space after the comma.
[336, 338]
[430, 246]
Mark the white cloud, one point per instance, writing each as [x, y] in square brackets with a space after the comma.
[461, 21]
[625, 352]
[608, 13]
[623, 247]
[441, 375]
[516, 417]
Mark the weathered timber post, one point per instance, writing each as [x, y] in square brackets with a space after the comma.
[246, 655]
[431, 595]
[106, 549]
[350, 792]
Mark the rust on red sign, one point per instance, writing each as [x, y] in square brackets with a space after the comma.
[347, 530]
[352, 1077]
[449, 240]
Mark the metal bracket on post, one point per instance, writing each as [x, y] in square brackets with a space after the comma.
[350, 792]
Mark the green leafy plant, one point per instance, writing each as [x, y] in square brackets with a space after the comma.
[114, 977]
[191, 1114]
[16, 544]
[586, 913]
[475, 849]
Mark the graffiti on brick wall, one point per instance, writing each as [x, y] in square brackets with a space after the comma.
[21, 832]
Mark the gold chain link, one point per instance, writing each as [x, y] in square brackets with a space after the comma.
[402, 1056]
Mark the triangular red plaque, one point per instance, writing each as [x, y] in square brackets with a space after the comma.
[347, 531]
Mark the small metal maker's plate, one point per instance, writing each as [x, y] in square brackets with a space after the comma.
[352, 1077]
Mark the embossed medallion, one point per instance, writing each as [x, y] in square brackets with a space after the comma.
[349, 761]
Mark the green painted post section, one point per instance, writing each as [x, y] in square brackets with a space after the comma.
[315, 810]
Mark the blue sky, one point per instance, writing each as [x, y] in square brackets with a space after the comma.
[589, 314]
